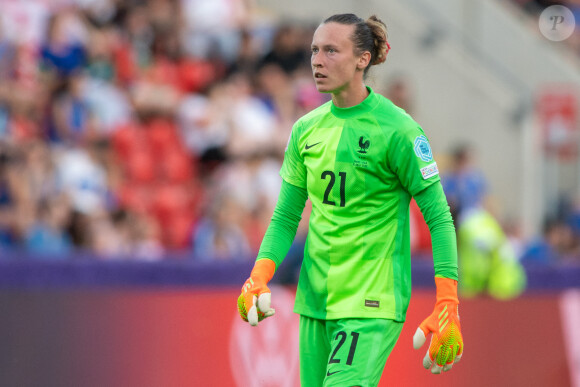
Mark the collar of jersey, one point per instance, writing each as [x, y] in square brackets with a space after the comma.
[368, 104]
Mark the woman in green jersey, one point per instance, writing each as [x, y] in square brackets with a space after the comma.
[360, 160]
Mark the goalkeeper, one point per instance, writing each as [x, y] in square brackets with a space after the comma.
[359, 159]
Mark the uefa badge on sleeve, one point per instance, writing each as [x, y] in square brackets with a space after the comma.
[422, 148]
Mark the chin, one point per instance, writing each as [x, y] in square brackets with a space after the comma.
[323, 88]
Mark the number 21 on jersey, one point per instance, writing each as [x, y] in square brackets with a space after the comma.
[327, 193]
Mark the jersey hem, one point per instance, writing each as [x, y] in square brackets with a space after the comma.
[351, 382]
[337, 316]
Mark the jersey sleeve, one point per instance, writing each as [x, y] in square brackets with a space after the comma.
[284, 223]
[411, 159]
[293, 169]
[433, 205]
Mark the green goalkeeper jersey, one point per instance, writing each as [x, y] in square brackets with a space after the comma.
[360, 166]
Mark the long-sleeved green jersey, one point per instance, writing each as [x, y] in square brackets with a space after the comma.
[360, 167]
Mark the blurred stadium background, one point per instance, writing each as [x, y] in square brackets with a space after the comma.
[140, 144]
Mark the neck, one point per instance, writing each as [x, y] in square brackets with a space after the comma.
[350, 97]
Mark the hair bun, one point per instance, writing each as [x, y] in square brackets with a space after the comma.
[381, 45]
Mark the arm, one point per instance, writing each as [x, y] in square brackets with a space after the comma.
[446, 345]
[435, 209]
[284, 223]
[254, 302]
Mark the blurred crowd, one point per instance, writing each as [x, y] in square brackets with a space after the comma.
[137, 128]
[467, 193]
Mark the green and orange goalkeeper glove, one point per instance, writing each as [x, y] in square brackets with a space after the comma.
[446, 346]
[254, 302]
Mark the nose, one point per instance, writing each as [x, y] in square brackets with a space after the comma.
[315, 60]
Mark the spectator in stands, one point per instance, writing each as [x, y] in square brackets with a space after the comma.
[8, 178]
[145, 238]
[83, 179]
[102, 90]
[38, 174]
[487, 262]
[514, 232]
[47, 236]
[202, 128]
[109, 235]
[64, 51]
[71, 115]
[4, 110]
[213, 27]
[288, 50]
[555, 245]
[125, 235]
[246, 60]
[219, 235]
[398, 90]
[24, 113]
[7, 56]
[464, 185]
[253, 125]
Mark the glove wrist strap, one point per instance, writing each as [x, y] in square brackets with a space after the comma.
[446, 290]
[263, 270]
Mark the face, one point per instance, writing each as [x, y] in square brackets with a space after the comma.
[334, 64]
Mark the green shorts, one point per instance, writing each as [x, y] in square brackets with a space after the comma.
[345, 352]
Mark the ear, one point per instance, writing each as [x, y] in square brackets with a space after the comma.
[363, 61]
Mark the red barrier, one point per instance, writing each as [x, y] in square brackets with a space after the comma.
[195, 338]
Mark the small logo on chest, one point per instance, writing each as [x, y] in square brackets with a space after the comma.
[310, 146]
[363, 145]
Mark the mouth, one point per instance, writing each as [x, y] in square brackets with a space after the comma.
[318, 75]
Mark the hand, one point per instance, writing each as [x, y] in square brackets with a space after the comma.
[446, 346]
[254, 302]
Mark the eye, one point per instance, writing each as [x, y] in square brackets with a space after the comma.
[331, 50]
[314, 50]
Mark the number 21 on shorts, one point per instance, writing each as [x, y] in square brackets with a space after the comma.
[340, 340]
